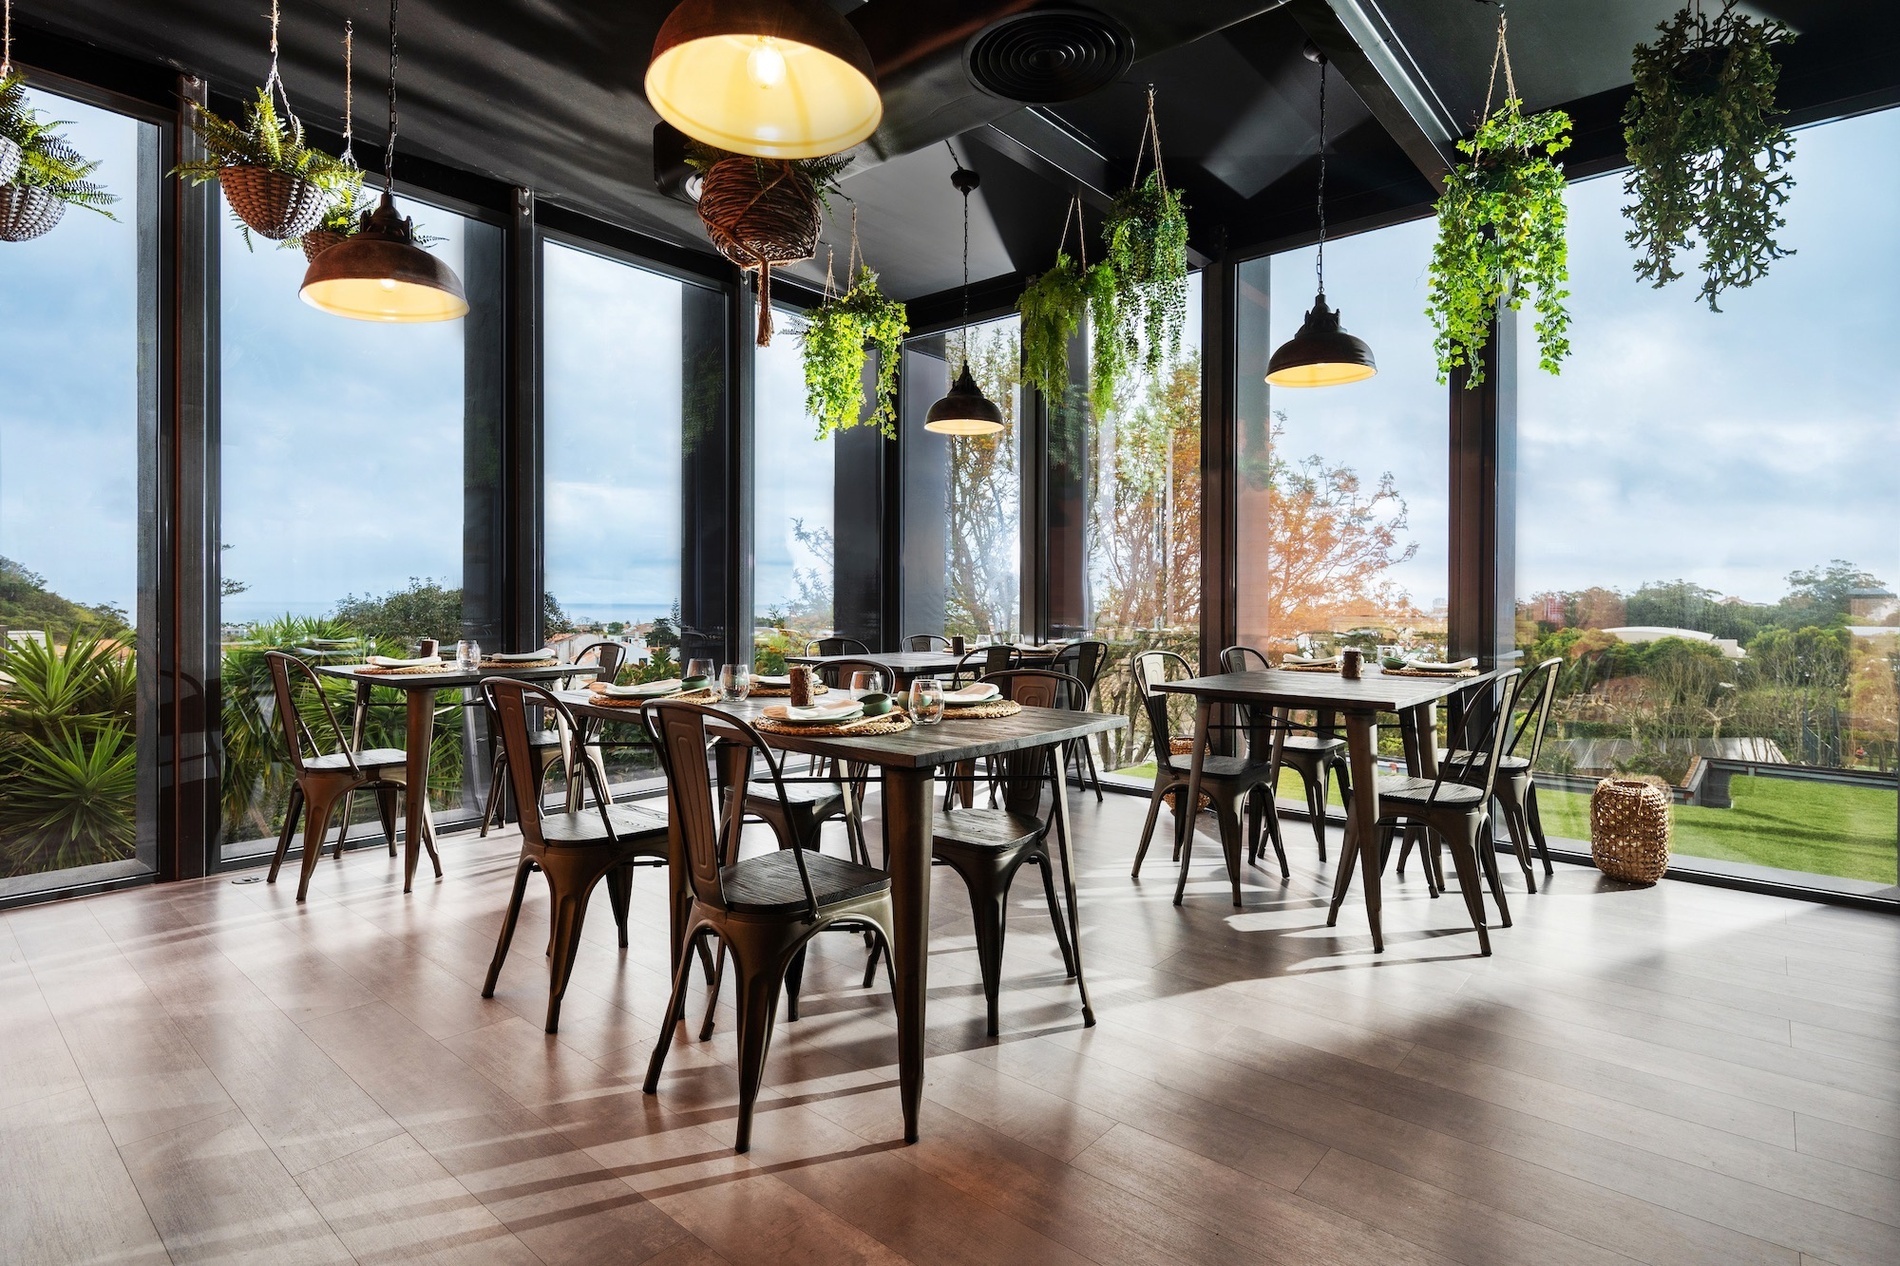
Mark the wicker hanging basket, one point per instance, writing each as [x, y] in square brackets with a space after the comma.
[317, 241]
[1629, 829]
[272, 204]
[759, 213]
[27, 212]
[9, 159]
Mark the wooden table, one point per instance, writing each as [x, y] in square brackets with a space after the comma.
[909, 762]
[419, 695]
[1360, 703]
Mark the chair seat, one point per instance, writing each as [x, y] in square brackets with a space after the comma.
[634, 825]
[1313, 744]
[816, 798]
[995, 829]
[768, 884]
[1216, 766]
[373, 759]
[1509, 765]
[1417, 792]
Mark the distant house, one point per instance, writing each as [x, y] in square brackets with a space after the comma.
[1637, 634]
[1871, 604]
[1603, 757]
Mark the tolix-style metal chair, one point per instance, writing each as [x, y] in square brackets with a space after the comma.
[1083, 661]
[927, 642]
[836, 645]
[1314, 756]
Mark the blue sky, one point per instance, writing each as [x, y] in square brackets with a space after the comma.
[794, 473]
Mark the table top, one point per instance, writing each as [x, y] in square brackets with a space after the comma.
[451, 676]
[919, 747]
[907, 663]
[1373, 692]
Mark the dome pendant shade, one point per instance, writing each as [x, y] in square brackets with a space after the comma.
[379, 273]
[965, 410]
[769, 78]
[1321, 354]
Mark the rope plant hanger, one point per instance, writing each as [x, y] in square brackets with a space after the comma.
[837, 338]
[339, 221]
[1146, 239]
[41, 174]
[276, 185]
[1052, 308]
[1501, 230]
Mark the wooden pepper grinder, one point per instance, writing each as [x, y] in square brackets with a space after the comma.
[801, 685]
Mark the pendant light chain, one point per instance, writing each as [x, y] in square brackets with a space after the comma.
[963, 330]
[389, 149]
[1319, 263]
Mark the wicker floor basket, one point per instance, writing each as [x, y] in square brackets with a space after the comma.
[274, 205]
[27, 213]
[9, 159]
[1629, 829]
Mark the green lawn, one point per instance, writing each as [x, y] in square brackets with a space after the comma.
[1810, 827]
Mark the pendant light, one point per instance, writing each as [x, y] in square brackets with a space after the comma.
[1321, 354]
[769, 78]
[378, 273]
[965, 410]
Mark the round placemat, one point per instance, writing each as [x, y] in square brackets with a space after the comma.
[894, 722]
[1425, 672]
[607, 701]
[1309, 668]
[784, 692]
[983, 711]
[550, 662]
[437, 670]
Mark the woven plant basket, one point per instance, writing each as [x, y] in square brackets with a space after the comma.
[317, 241]
[27, 212]
[9, 159]
[1629, 829]
[272, 204]
[759, 213]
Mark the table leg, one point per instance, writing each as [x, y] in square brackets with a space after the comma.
[1362, 739]
[907, 816]
[1202, 715]
[421, 734]
[1065, 849]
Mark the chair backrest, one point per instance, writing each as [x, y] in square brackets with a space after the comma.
[509, 701]
[838, 673]
[1485, 727]
[836, 645]
[927, 642]
[1082, 661]
[680, 733]
[1024, 774]
[609, 657]
[1259, 721]
[290, 717]
[1536, 717]
[1150, 668]
[1243, 659]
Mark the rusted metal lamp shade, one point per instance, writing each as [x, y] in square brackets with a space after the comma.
[769, 78]
[379, 273]
[1321, 354]
[965, 410]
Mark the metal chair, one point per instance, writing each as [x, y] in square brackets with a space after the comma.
[325, 778]
[547, 748]
[1454, 806]
[575, 850]
[927, 642]
[836, 645]
[762, 910]
[1314, 757]
[1234, 785]
[1083, 661]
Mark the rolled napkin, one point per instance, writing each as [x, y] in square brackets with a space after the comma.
[390, 661]
[645, 690]
[1463, 665]
[1298, 661]
[830, 713]
[522, 657]
[975, 692]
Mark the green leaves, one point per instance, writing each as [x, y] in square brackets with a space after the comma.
[1706, 154]
[47, 160]
[265, 138]
[1052, 308]
[1501, 226]
[1146, 234]
[68, 759]
[837, 334]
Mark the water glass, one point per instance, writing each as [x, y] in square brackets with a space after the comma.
[867, 681]
[469, 656]
[735, 681]
[926, 701]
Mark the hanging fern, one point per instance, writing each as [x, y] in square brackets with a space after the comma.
[1146, 236]
[265, 138]
[836, 337]
[1501, 226]
[47, 160]
[1706, 153]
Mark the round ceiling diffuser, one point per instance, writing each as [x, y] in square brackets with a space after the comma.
[1049, 55]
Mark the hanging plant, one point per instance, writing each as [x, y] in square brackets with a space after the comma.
[1501, 233]
[762, 212]
[839, 334]
[1051, 310]
[49, 174]
[1706, 152]
[342, 217]
[276, 185]
[1146, 236]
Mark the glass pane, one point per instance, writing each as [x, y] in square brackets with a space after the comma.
[73, 304]
[793, 473]
[1707, 533]
[342, 479]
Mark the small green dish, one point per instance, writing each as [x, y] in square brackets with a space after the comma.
[876, 704]
[694, 683]
[1391, 661]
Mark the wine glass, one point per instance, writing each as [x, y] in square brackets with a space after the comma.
[735, 681]
[867, 682]
[700, 668]
[926, 701]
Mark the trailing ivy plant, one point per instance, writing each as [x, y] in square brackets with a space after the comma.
[837, 335]
[1501, 226]
[47, 160]
[1706, 151]
[265, 138]
[1052, 308]
[1146, 236]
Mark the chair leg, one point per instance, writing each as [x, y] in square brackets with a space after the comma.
[1487, 851]
[497, 779]
[1464, 858]
[1183, 821]
[1537, 827]
[523, 869]
[343, 824]
[1095, 775]
[1055, 914]
[794, 981]
[1183, 844]
[292, 812]
[1147, 832]
[991, 913]
[386, 808]
[713, 987]
[316, 823]
[1520, 833]
[1270, 811]
[620, 893]
[1316, 807]
[675, 1009]
[759, 985]
[570, 889]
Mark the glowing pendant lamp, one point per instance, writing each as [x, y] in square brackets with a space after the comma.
[965, 410]
[770, 78]
[378, 273]
[1321, 354]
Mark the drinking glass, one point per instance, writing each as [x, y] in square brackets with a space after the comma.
[469, 656]
[926, 701]
[735, 680]
[700, 668]
[867, 681]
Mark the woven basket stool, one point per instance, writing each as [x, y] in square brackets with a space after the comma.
[1629, 829]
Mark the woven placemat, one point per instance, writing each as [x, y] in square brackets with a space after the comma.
[1308, 668]
[438, 670]
[783, 692]
[894, 722]
[983, 711]
[607, 701]
[549, 662]
[1425, 672]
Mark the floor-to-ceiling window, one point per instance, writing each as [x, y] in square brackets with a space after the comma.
[78, 404]
[793, 473]
[345, 474]
[1709, 530]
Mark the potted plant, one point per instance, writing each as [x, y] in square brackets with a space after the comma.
[1051, 310]
[762, 212]
[1706, 150]
[13, 114]
[49, 176]
[277, 186]
[1146, 236]
[838, 333]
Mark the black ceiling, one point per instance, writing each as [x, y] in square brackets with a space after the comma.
[546, 93]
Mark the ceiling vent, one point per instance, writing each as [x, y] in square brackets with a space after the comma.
[1049, 55]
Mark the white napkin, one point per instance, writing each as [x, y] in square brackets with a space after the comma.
[522, 657]
[1309, 663]
[1435, 667]
[389, 661]
[763, 679]
[646, 690]
[832, 712]
[975, 692]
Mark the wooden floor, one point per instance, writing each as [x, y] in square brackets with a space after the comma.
[206, 1072]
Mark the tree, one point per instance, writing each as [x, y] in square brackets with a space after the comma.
[423, 609]
[1820, 594]
[980, 582]
[1145, 521]
[26, 603]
